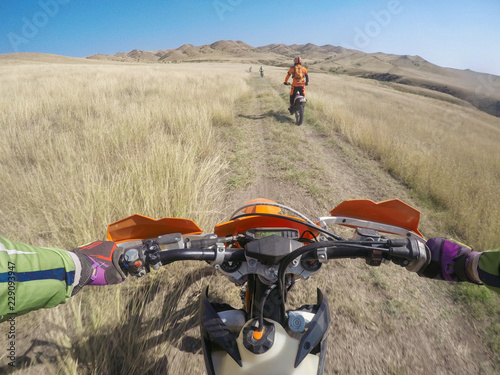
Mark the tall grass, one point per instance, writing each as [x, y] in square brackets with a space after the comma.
[446, 152]
[82, 146]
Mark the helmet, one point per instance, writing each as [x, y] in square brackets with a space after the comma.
[298, 60]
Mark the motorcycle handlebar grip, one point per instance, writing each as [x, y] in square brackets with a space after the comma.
[400, 252]
[398, 242]
[413, 256]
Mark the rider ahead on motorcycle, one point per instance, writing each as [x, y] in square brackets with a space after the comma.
[300, 80]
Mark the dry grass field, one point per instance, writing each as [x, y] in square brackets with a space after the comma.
[84, 144]
[477, 89]
[447, 153]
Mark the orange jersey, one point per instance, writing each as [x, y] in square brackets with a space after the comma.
[296, 82]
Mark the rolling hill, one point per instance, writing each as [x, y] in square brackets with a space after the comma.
[477, 89]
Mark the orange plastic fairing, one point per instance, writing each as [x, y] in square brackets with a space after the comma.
[263, 209]
[237, 226]
[391, 212]
[138, 227]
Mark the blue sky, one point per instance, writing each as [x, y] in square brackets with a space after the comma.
[460, 34]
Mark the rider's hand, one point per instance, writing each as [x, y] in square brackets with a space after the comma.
[100, 265]
[285, 83]
[451, 261]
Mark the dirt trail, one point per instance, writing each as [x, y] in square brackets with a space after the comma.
[341, 171]
[384, 320]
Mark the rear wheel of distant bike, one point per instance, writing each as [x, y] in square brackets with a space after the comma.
[299, 115]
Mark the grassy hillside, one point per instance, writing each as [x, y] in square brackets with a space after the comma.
[86, 144]
[479, 90]
[446, 153]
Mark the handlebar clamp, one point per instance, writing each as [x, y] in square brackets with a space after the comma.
[219, 255]
[322, 254]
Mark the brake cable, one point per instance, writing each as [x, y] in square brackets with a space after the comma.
[304, 239]
[262, 303]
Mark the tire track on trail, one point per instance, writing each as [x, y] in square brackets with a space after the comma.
[297, 165]
[377, 313]
[257, 118]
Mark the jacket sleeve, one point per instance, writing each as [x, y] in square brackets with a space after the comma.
[288, 74]
[489, 269]
[34, 277]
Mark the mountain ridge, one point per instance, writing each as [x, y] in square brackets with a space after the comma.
[481, 90]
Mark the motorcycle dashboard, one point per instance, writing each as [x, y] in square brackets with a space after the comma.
[258, 233]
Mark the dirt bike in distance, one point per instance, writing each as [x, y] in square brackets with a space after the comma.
[298, 107]
[265, 248]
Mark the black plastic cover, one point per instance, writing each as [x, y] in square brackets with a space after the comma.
[270, 250]
[318, 328]
[215, 334]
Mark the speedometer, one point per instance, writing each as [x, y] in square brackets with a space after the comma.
[258, 233]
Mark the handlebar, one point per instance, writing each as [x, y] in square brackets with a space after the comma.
[137, 261]
[208, 255]
[408, 253]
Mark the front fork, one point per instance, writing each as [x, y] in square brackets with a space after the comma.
[261, 300]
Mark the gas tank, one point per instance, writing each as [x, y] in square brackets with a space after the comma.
[279, 359]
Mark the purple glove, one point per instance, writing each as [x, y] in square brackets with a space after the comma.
[450, 261]
[100, 266]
